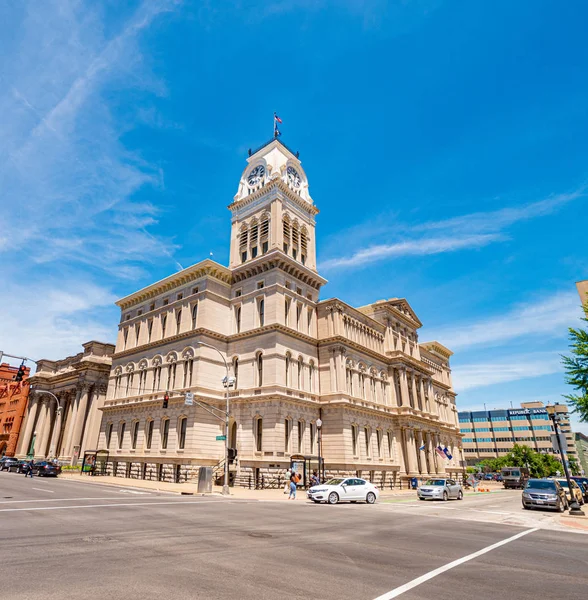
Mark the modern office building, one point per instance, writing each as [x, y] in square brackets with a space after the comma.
[493, 433]
[582, 450]
[357, 381]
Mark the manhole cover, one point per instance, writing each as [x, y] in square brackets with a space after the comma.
[258, 534]
[6, 497]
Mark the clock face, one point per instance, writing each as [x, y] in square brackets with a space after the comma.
[256, 175]
[293, 177]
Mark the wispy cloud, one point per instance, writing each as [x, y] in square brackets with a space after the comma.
[547, 317]
[437, 245]
[513, 368]
[470, 231]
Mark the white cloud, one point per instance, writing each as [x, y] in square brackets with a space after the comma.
[53, 320]
[547, 317]
[449, 235]
[412, 248]
[513, 368]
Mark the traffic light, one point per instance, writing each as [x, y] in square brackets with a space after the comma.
[20, 373]
[165, 400]
[232, 453]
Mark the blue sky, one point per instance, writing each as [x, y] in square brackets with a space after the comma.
[445, 144]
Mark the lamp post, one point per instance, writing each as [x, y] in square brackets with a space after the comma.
[574, 506]
[227, 384]
[319, 424]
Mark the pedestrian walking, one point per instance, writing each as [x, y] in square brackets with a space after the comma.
[294, 479]
[287, 482]
[314, 480]
[29, 471]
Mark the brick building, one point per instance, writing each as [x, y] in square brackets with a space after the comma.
[13, 404]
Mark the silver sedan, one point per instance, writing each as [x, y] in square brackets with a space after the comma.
[440, 489]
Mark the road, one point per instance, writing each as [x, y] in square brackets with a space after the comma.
[63, 539]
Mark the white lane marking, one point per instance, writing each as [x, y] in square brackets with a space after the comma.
[102, 505]
[56, 500]
[132, 492]
[416, 582]
[42, 490]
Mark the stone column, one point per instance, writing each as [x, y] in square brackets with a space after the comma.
[55, 433]
[411, 452]
[26, 437]
[418, 443]
[42, 430]
[404, 387]
[78, 429]
[415, 397]
[393, 400]
[432, 397]
[70, 423]
[422, 395]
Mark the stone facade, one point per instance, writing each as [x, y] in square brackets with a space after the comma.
[380, 394]
[67, 423]
[13, 405]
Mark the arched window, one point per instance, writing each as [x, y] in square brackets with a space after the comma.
[254, 238]
[238, 318]
[311, 377]
[379, 436]
[259, 366]
[149, 434]
[236, 372]
[287, 305]
[355, 439]
[300, 365]
[134, 435]
[368, 441]
[121, 435]
[108, 434]
[288, 363]
[157, 378]
[303, 246]
[194, 315]
[300, 437]
[188, 371]
[171, 376]
[258, 432]
[362, 383]
[295, 241]
[182, 426]
[312, 437]
[261, 311]
[178, 320]
[287, 434]
[243, 243]
[264, 234]
[287, 234]
[164, 433]
[390, 444]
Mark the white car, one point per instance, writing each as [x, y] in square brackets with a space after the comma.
[350, 489]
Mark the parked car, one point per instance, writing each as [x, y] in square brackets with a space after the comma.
[515, 477]
[440, 489]
[488, 477]
[42, 468]
[576, 492]
[584, 482]
[544, 493]
[6, 462]
[18, 466]
[350, 489]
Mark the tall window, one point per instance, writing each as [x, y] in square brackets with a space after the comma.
[238, 318]
[354, 438]
[379, 435]
[312, 437]
[243, 243]
[311, 377]
[298, 315]
[287, 434]
[178, 320]
[258, 434]
[164, 433]
[182, 438]
[259, 370]
[390, 444]
[137, 332]
[108, 434]
[261, 311]
[309, 321]
[236, 372]
[300, 437]
[171, 376]
[349, 376]
[121, 436]
[194, 315]
[135, 434]
[188, 368]
[125, 336]
[368, 438]
[287, 304]
[264, 234]
[288, 362]
[300, 373]
[149, 436]
[362, 384]
[149, 329]
[163, 324]
[287, 231]
[157, 378]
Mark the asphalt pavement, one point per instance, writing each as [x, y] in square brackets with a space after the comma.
[65, 539]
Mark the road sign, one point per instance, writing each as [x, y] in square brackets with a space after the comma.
[189, 399]
[221, 438]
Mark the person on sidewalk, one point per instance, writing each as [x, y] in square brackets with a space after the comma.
[287, 482]
[294, 479]
[314, 480]
[29, 471]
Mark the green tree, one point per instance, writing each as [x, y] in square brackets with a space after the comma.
[576, 369]
[539, 465]
[574, 467]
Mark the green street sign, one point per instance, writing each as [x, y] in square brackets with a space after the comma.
[221, 438]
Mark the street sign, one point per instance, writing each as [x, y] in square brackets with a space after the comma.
[189, 399]
[221, 438]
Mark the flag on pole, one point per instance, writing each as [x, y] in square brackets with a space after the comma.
[422, 447]
[447, 453]
[277, 132]
[440, 452]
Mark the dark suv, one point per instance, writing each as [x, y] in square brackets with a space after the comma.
[544, 493]
[42, 468]
[6, 462]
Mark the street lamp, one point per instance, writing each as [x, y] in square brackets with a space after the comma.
[574, 506]
[319, 424]
[227, 383]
